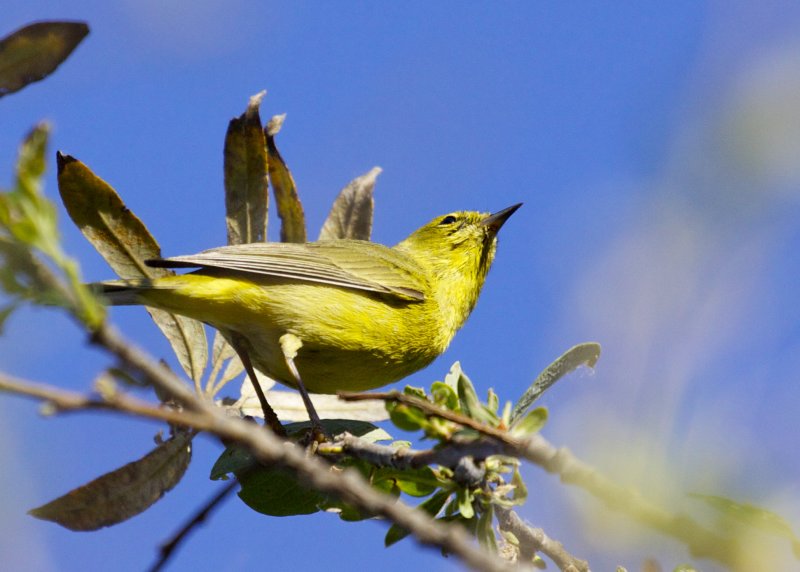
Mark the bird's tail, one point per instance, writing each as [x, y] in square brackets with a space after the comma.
[122, 292]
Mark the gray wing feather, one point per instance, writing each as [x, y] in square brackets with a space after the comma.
[346, 263]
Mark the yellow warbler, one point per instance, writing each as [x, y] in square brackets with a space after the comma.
[349, 314]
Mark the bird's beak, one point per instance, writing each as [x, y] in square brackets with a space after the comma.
[496, 220]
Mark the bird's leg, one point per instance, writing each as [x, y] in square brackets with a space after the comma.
[270, 418]
[289, 346]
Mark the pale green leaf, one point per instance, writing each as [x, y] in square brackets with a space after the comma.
[583, 354]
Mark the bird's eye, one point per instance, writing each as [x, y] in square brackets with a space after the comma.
[449, 219]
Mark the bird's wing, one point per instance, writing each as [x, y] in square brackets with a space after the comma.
[353, 264]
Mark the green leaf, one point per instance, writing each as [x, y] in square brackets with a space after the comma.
[246, 183]
[465, 506]
[406, 417]
[35, 51]
[125, 243]
[471, 406]
[444, 396]
[275, 492]
[492, 401]
[484, 530]
[28, 229]
[531, 423]
[362, 429]
[452, 376]
[233, 460]
[351, 213]
[121, 494]
[24, 276]
[290, 209]
[583, 354]
[520, 494]
[432, 507]
[418, 482]
[753, 516]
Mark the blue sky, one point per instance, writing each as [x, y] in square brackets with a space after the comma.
[653, 145]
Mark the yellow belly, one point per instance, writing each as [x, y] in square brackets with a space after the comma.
[352, 340]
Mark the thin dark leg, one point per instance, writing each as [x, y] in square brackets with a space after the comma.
[270, 418]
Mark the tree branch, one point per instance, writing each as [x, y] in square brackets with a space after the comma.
[702, 542]
[348, 485]
[533, 540]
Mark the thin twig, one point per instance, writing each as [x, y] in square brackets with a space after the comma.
[168, 548]
[702, 542]
[533, 540]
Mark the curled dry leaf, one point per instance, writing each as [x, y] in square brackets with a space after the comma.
[246, 187]
[125, 243]
[290, 209]
[35, 51]
[351, 213]
[121, 494]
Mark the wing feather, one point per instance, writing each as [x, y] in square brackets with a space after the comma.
[356, 264]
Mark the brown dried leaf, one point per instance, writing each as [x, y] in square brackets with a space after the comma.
[35, 51]
[246, 183]
[125, 243]
[290, 209]
[121, 494]
[351, 213]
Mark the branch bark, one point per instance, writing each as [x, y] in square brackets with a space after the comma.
[702, 542]
[202, 415]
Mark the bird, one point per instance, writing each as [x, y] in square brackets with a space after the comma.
[333, 315]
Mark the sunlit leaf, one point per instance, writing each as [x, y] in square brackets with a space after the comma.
[246, 183]
[471, 406]
[351, 213]
[121, 494]
[444, 395]
[125, 243]
[583, 354]
[35, 51]
[33, 265]
[432, 507]
[465, 499]
[289, 406]
[531, 423]
[24, 276]
[290, 209]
